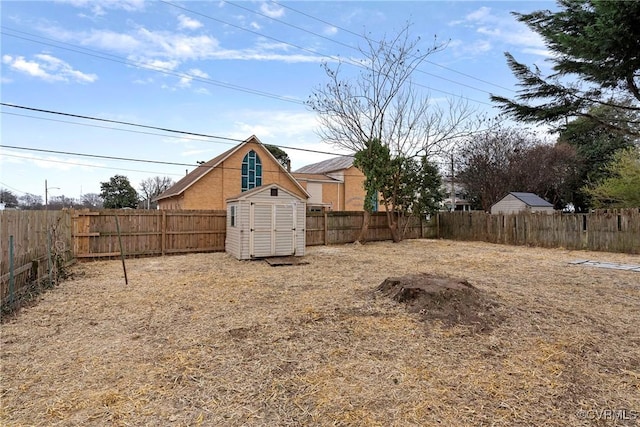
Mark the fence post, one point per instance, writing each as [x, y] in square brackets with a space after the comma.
[11, 272]
[163, 236]
[326, 229]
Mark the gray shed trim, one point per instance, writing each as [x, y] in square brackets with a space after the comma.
[264, 222]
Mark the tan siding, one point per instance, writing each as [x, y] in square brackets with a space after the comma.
[331, 194]
[354, 190]
[213, 189]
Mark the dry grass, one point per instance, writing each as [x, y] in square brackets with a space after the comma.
[207, 340]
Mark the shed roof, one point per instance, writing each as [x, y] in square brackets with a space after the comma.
[266, 187]
[531, 199]
[326, 166]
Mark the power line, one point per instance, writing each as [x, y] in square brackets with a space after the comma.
[86, 165]
[361, 36]
[346, 45]
[98, 156]
[167, 71]
[13, 188]
[159, 128]
[110, 127]
[333, 58]
[117, 59]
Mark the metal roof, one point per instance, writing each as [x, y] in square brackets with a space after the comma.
[531, 199]
[326, 166]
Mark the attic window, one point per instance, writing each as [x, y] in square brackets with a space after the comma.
[274, 192]
[251, 171]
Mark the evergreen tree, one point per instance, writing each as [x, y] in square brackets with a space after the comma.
[596, 59]
[118, 193]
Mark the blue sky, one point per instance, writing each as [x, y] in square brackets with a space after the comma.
[229, 69]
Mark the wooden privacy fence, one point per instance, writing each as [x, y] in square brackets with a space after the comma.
[603, 230]
[33, 244]
[331, 228]
[160, 232]
[98, 234]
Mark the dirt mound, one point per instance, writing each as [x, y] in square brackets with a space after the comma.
[452, 301]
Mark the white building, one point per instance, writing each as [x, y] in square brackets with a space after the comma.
[521, 202]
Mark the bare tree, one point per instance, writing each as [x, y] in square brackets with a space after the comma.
[151, 188]
[503, 159]
[30, 201]
[61, 202]
[383, 103]
[91, 201]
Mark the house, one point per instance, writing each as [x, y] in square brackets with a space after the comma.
[333, 184]
[521, 202]
[266, 221]
[246, 166]
[457, 189]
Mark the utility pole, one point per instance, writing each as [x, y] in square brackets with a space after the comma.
[46, 194]
[453, 189]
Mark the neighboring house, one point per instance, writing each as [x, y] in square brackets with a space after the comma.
[333, 184]
[521, 202]
[243, 167]
[460, 202]
[264, 222]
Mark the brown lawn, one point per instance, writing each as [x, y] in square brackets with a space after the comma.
[207, 340]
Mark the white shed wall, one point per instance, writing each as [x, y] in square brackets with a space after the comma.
[272, 216]
[510, 204]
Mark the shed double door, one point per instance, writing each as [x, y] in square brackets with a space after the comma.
[272, 229]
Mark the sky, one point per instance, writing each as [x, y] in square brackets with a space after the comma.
[226, 70]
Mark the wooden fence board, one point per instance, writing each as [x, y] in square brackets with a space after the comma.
[613, 230]
[34, 233]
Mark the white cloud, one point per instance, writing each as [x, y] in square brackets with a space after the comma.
[479, 15]
[330, 31]
[99, 7]
[498, 30]
[108, 40]
[539, 52]
[186, 23]
[272, 10]
[185, 81]
[155, 63]
[202, 91]
[168, 50]
[48, 68]
[198, 73]
[255, 25]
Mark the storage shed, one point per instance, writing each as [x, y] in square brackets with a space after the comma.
[264, 222]
[521, 202]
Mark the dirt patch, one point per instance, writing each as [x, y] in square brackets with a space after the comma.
[451, 301]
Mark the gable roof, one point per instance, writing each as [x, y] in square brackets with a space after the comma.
[531, 199]
[265, 187]
[195, 175]
[326, 166]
